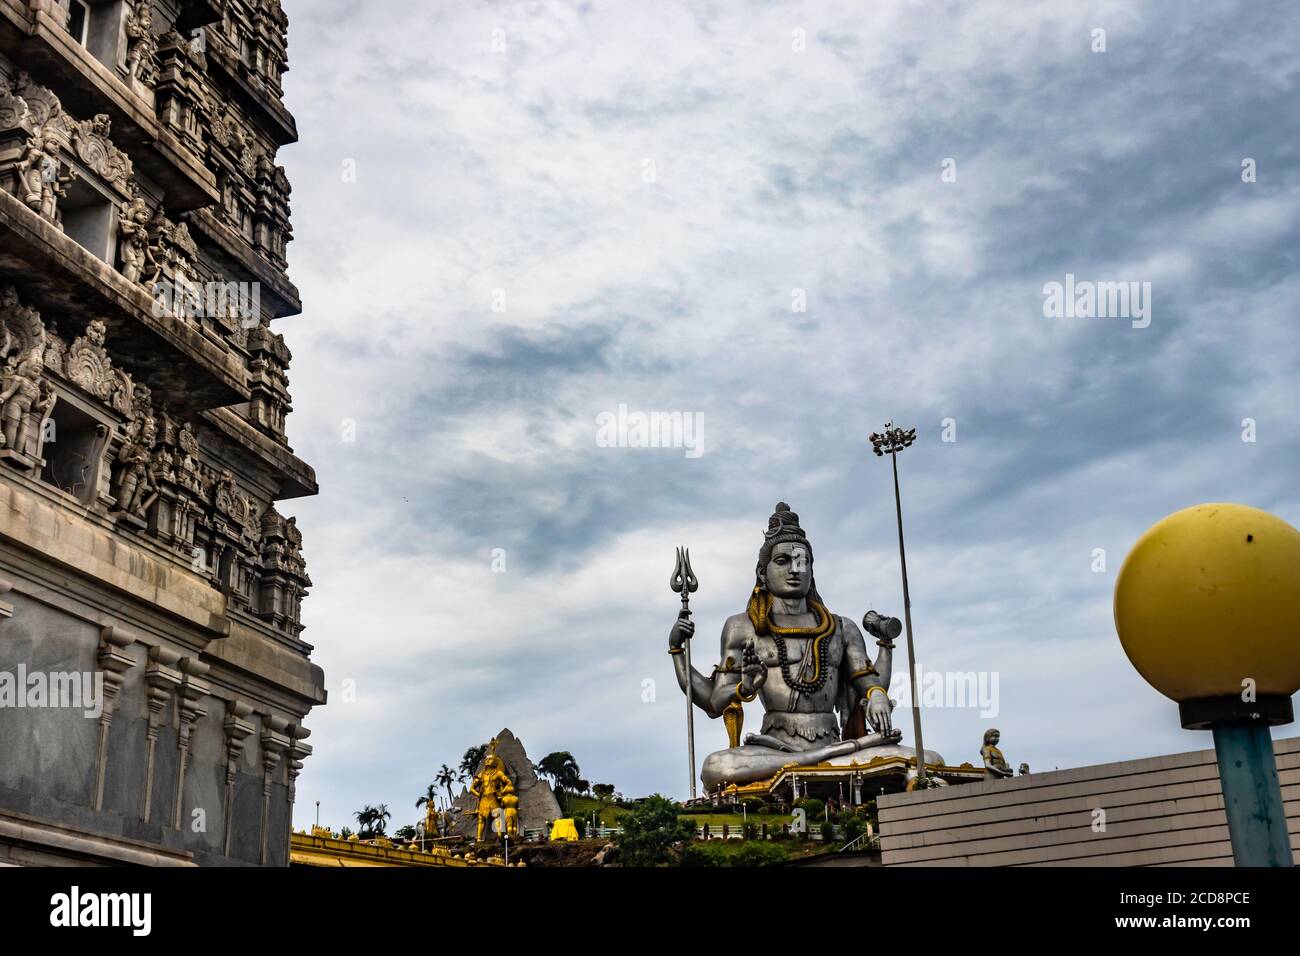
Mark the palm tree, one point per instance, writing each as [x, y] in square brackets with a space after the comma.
[382, 816]
[446, 777]
[563, 769]
[430, 796]
[372, 821]
[365, 821]
[473, 757]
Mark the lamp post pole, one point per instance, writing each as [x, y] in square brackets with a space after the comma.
[893, 440]
[1252, 797]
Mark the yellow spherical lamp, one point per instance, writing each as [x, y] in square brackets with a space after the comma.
[1207, 608]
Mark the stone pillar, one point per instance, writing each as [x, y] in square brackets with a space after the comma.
[237, 730]
[275, 741]
[189, 712]
[114, 661]
[298, 752]
[162, 680]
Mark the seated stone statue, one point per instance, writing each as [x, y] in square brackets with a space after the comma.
[809, 667]
[995, 765]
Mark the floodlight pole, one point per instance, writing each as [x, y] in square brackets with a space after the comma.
[895, 440]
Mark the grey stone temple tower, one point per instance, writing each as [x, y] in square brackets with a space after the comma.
[153, 675]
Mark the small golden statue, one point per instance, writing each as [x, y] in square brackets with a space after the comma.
[492, 787]
[511, 804]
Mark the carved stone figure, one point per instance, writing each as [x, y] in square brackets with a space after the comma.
[133, 479]
[995, 765]
[802, 661]
[133, 226]
[22, 348]
[141, 44]
[1024, 770]
[19, 391]
[173, 251]
[41, 172]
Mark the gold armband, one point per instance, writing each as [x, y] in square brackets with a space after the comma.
[740, 696]
[867, 671]
[674, 650]
[874, 687]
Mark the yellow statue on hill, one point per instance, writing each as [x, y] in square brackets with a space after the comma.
[493, 788]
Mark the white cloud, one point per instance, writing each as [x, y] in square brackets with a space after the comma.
[525, 171]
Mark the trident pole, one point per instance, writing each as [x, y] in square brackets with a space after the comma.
[684, 582]
[690, 705]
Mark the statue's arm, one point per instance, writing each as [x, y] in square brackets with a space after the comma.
[711, 694]
[858, 669]
[736, 633]
[988, 761]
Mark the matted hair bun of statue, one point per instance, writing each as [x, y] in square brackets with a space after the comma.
[783, 526]
[783, 520]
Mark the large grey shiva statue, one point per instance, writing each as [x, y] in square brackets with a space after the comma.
[824, 699]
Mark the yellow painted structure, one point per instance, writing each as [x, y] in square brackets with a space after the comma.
[564, 830]
[321, 848]
[1208, 598]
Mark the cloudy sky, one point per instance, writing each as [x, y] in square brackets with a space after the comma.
[792, 223]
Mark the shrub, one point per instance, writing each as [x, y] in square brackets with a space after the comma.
[718, 853]
[854, 826]
[650, 831]
[705, 853]
[814, 808]
[759, 853]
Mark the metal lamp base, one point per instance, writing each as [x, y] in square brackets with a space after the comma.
[1203, 714]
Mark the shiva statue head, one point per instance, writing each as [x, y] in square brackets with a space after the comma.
[785, 560]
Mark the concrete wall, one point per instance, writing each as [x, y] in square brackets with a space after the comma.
[1161, 811]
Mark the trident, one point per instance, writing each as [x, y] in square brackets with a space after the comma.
[684, 582]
